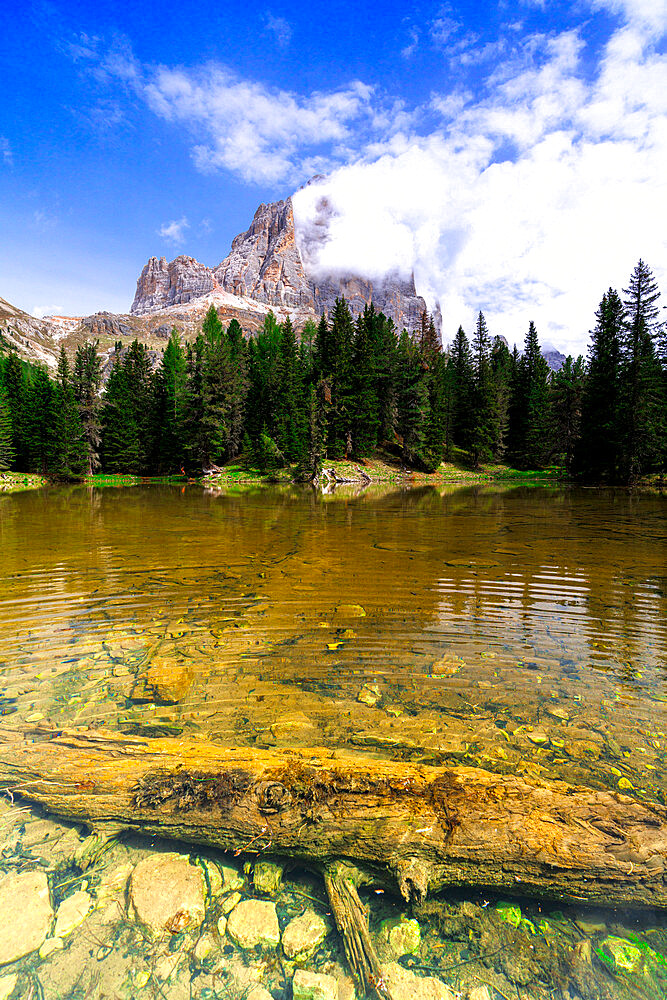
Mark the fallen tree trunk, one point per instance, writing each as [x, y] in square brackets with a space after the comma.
[410, 826]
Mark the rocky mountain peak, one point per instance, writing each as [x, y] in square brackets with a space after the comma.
[266, 265]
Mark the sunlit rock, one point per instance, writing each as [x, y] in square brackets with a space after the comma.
[405, 985]
[399, 936]
[303, 935]
[167, 893]
[72, 911]
[254, 922]
[25, 905]
[314, 986]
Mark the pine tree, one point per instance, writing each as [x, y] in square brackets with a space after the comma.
[6, 442]
[502, 367]
[483, 431]
[462, 379]
[365, 406]
[339, 374]
[86, 381]
[529, 416]
[16, 386]
[598, 452]
[567, 388]
[413, 404]
[643, 403]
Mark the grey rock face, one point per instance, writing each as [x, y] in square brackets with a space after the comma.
[265, 264]
[161, 284]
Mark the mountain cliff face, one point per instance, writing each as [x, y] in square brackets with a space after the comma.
[265, 265]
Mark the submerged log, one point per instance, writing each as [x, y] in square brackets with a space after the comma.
[409, 826]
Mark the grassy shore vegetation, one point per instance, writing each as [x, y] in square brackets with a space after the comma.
[350, 399]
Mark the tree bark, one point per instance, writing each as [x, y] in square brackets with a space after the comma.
[415, 827]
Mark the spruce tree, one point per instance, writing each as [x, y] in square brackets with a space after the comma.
[16, 384]
[289, 417]
[567, 388]
[339, 374]
[6, 442]
[86, 381]
[462, 380]
[643, 392]
[166, 412]
[238, 354]
[483, 430]
[413, 404]
[529, 416]
[598, 452]
[502, 367]
[70, 461]
[365, 406]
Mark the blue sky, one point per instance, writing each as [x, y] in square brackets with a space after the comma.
[512, 155]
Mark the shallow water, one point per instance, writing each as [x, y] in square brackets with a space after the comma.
[517, 629]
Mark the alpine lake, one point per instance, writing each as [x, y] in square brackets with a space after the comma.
[518, 629]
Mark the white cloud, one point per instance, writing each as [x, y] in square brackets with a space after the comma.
[255, 132]
[39, 312]
[279, 28]
[529, 206]
[409, 50]
[174, 231]
[651, 15]
[6, 152]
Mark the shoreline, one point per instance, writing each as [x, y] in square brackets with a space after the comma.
[334, 476]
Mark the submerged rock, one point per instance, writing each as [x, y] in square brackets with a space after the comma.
[400, 936]
[71, 912]
[314, 986]
[206, 946]
[167, 893]
[370, 695]
[25, 905]
[303, 935]
[627, 956]
[405, 985]
[167, 681]
[7, 985]
[267, 877]
[231, 878]
[229, 902]
[254, 922]
[259, 993]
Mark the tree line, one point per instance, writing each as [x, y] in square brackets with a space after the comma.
[345, 388]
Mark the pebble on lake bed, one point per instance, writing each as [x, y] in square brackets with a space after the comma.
[314, 986]
[370, 695]
[267, 877]
[405, 985]
[72, 911]
[7, 985]
[259, 993]
[167, 893]
[303, 935]
[25, 904]
[254, 922]
[399, 936]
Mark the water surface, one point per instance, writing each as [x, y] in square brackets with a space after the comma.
[517, 629]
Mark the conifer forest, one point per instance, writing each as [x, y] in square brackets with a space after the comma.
[344, 389]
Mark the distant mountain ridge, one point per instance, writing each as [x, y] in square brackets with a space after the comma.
[265, 264]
